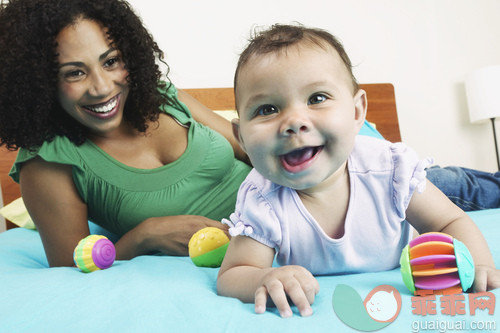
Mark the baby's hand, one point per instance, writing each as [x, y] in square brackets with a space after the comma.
[296, 282]
[487, 278]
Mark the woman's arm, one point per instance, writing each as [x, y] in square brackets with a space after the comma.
[431, 210]
[167, 234]
[216, 122]
[247, 274]
[56, 208]
[60, 216]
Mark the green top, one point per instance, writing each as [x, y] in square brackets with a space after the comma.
[203, 181]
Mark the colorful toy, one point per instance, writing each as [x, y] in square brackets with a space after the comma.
[208, 246]
[437, 263]
[94, 252]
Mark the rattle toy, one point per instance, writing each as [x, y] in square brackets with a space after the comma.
[437, 262]
[208, 246]
[94, 252]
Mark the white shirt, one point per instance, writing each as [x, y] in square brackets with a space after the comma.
[383, 177]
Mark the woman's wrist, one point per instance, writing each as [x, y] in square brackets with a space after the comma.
[135, 242]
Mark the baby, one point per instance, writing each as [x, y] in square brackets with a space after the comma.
[322, 198]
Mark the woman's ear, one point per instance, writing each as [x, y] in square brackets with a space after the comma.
[360, 107]
[235, 123]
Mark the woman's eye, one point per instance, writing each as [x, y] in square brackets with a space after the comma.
[316, 99]
[266, 110]
[111, 62]
[73, 75]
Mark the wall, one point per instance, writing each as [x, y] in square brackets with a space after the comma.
[424, 47]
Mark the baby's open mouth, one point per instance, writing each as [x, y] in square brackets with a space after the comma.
[299, 159]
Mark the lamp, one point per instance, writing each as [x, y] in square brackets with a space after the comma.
[482, 88]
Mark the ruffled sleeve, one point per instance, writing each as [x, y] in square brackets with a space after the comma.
[254, 216]
[60, 150]
[409, 175]
[176, 108]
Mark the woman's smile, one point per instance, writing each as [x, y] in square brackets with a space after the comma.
[104, 110]
[93, 86]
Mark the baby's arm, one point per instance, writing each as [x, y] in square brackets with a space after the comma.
[247, 274]
[431, 210]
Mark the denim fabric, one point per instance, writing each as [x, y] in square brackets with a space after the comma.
[469, 189]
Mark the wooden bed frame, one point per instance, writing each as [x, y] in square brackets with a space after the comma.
[381, 111]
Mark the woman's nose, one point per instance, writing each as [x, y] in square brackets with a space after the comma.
[101, 84]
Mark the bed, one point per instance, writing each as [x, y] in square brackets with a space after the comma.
[170, 294]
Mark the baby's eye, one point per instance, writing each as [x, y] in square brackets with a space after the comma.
[317, 98]
[266, 110]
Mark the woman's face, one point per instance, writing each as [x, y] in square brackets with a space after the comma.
[92, 79]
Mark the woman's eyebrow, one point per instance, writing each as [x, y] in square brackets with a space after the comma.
[80, 63]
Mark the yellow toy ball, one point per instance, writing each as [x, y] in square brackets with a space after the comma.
[208, 246]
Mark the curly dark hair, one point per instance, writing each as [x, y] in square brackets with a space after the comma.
[30, 113]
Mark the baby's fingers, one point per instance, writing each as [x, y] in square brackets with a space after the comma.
[494, 280]
[487, 278]
[309, 285]
[300, 295]
[480, 281]
[276, 291]
[260, 300]
[277, 295]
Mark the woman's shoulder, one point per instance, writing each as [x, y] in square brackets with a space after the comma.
[175, 107]
[59, 150]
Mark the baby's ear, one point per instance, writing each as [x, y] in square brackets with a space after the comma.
[360, 106]
[235, 123]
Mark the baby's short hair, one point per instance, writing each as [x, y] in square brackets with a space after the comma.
[280, 36]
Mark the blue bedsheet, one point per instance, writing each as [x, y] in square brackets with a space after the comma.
[170, 294]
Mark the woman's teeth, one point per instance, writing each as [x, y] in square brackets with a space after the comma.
[104, 108]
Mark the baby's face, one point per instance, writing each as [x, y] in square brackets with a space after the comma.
[298, 116]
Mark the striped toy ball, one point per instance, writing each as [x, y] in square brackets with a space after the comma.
[94, 252]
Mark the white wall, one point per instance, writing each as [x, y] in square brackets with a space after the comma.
[424, 47]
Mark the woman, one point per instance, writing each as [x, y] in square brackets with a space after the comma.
[101, 137]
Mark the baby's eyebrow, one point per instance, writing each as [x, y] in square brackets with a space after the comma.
[256, 98]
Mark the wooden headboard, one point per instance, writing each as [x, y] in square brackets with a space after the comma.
[381, 111]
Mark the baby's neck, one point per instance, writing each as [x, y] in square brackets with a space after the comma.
[328, 205]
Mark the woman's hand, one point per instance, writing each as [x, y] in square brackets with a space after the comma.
[168, 235]
[296, 282]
